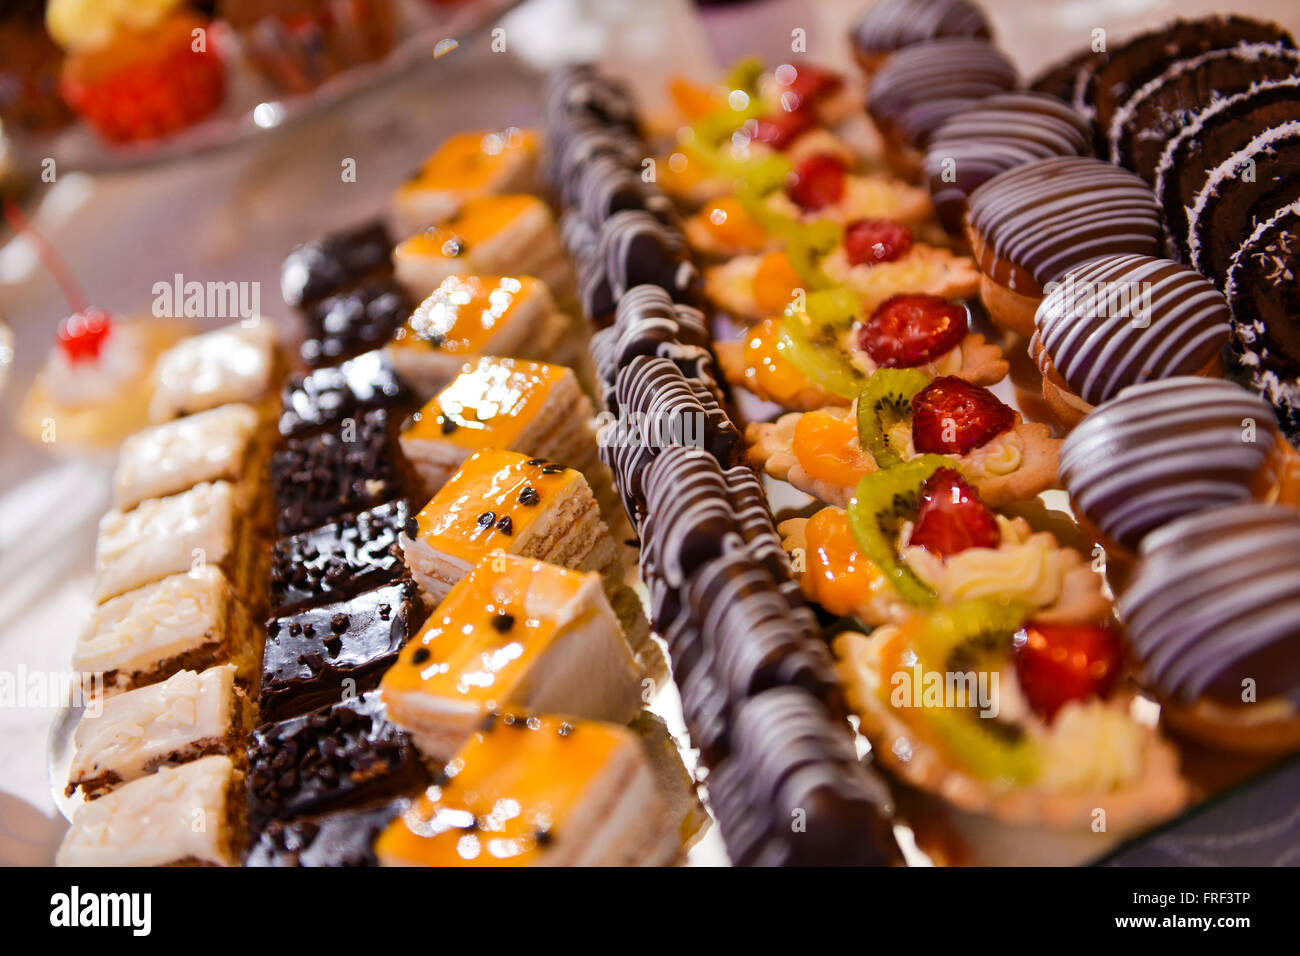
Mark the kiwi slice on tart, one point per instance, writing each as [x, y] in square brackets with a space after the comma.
[883, 501]
[814, 349]
[886, 401]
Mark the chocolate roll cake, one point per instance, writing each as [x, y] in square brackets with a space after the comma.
[894, 24]
[1119, 320]
[1031, 224]
[1264, 295]
[1248, 187]
[1213, 135]
[997, 134]
[1213, 612]
[1141, 128]
[1148, 55]
[920, 87]
[1162, 450]
[1061, 79]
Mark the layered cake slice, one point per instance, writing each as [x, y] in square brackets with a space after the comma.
[232, 364]
[187, 815]
[316, 479]
[351, 322]
[538, 791]
[492, 235]
[187, 716]
[336, 263]
[515, 633]
[468, 316]
[506, 502]
[218, 444]
[342, 838]
[336, 757]
[319, 656]
[528, 407]
[163, 536]
[339, 559]
[467, 166]
[326, 397]
[191, 620]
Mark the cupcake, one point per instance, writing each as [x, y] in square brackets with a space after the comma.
[918, 88]
[1120, 320]
[1031, 224]
[29, 70]
[136, 70]
[1213, 612]
[1162, 450]
[299, 44]
[997, 134]
[894, 24]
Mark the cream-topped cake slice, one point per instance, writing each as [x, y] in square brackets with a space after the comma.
[190, 620]
[539, 791]
[166, 459]
[187, 716]
[231, 364]
[191, 814]
[514, 633]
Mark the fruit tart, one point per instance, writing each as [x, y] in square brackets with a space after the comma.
[1022, 730]
[918, 536]
[97, 383]
[825, 355]
[900, 415]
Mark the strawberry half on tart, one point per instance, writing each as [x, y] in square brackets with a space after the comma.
[900, 415]
[918, 536]
[825, 355]
[1017, 733]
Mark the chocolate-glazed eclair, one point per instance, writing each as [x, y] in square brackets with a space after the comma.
[1140, 128]
[1208, 139]
[920, 87]
[1162, 450]
[894, 24]
[1120, 320]
[997, 134]
[1029, 225]
[1213, 612]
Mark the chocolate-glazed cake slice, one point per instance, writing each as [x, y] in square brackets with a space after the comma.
[1146, 56]
[328, 396]
[335, 263]
[339, 756]
[349, 323]
[1245, 189]
[1212, 136]
[1263, 290]
[338, 560]
[345, 838]
[310, 655]
[316, 479]
[1142, 126]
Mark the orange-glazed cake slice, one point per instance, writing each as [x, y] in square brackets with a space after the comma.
[509, 503]
[529, 407]
[490, 235]
[515, 633]
[467, 166]
[538, 791]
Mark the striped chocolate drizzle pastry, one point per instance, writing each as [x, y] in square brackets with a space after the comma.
[1163, 450]
[914, 85]
[997, 134]
[893, 24]
[1215, 598]
[1032, 223]
[1124, 319]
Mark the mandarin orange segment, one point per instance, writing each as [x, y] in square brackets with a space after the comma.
[826, 446]
[838, 578]
[693, 99]
[730, 225]
[775, 283]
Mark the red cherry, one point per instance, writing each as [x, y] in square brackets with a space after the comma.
[81, 336]
[817, 182]
[910, 330]
[951, 517]
[809, 83]
[869, 241]
[950, 416]
[1058, 663]
[782, 128]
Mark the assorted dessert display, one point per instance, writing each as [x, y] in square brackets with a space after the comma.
[722, 399]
